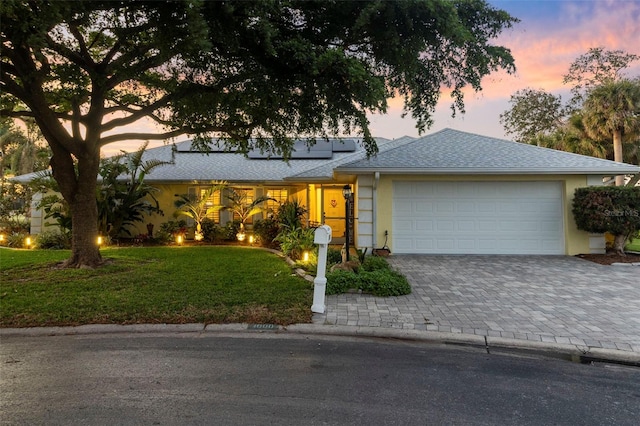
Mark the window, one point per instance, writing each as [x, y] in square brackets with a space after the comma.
[277, 197]
[239, 202]
[213, 200]
[199, 193]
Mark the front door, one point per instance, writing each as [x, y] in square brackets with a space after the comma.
[334, 213]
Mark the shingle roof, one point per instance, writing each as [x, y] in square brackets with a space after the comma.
[452, 151]
[445, 152]
[235, 167]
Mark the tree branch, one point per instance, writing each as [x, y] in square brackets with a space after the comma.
[145, 136]
[135, 114]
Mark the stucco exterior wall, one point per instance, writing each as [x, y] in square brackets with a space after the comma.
[575, 241]
[166, 197]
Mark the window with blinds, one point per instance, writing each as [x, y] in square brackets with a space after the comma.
[276, 198]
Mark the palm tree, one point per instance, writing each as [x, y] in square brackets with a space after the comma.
[199, 207]
[613, 110]
[243, 207]
[123, 196]
[572, 137]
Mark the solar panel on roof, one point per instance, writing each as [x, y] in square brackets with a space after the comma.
[344, 145]
[322, 149]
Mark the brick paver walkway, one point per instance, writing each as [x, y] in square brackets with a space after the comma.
[555, 299]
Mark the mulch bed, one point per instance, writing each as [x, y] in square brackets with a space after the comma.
[609, 258]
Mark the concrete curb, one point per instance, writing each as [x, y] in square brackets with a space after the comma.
[571, 352]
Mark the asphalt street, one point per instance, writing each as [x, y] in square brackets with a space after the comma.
[260, 379]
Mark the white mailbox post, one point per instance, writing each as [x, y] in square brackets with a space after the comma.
[322, 237]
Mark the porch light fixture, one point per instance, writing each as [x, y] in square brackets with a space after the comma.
[346, 193]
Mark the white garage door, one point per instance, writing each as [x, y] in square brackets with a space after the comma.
[478, 217]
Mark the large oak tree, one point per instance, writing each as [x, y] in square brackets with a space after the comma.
[257, 73]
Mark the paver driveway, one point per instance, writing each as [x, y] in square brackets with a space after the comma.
[557, 299]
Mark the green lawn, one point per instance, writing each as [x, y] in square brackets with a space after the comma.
[633, 246]
[152, 285]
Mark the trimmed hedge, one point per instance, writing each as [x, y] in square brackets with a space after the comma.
[613, 209]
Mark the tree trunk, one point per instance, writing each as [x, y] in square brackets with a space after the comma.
[617, 154]
[85, 251]
[80, 192]
[619, 242]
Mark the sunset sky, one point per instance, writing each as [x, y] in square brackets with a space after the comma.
[550, 36]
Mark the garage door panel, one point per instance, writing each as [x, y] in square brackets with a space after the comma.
[487, 225]
[445, 207]
[422, 206]
[485, 207]
[465, 207]
[402, 208]
[478, 217]
[445, 244]
[466, 226]
[445, 225]
[423, 226]
[424, 244]
[444, 189]
[466, 244]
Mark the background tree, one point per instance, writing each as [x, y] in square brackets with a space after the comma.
[596, 67]
[534, 114]
[23, 149]
[611, 110]
[256, 73]
[537, 117]
[572, 136]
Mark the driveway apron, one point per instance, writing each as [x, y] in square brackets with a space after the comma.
[554, 299]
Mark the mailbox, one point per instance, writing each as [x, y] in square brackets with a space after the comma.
[322, 235]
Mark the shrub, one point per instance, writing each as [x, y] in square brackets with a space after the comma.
[333, 256]
[290, 214]
[266, 230]
[339, 282]
[610, 209]
[384, 283]
[170, 229]
[294, 242]
[374, 263]
[380, 282]
[211, 231]
[53, 240]
[16, 239]
[230, 230]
